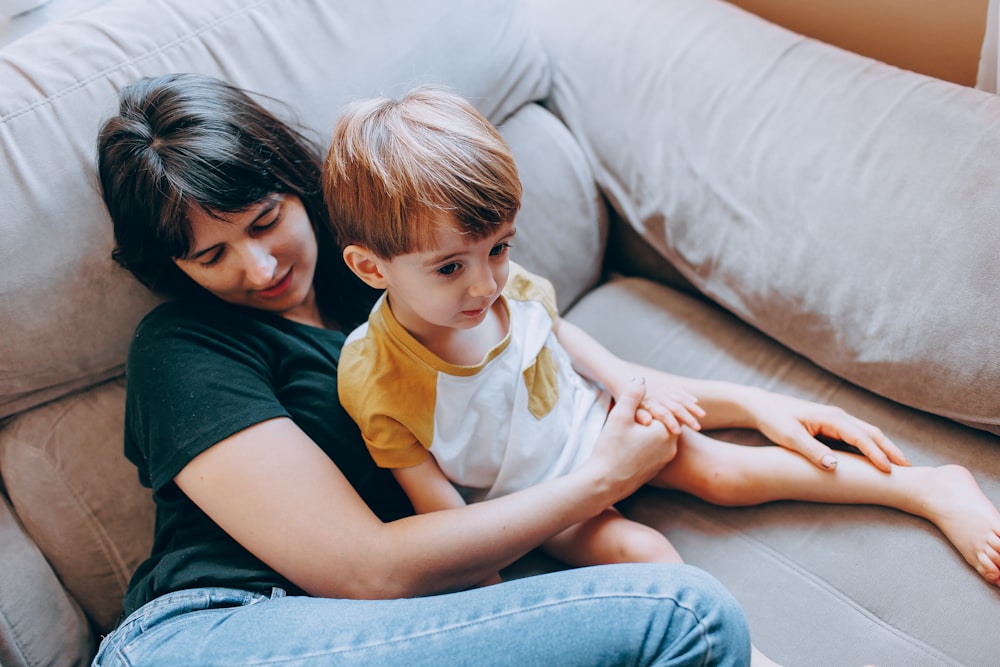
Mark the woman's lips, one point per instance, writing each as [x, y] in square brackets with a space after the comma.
[278, 288]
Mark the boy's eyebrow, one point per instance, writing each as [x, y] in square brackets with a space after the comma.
[269, 205]
[452, 254]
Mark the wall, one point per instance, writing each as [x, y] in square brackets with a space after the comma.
[941, 38]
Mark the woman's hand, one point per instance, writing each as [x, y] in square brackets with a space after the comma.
[629, 453]
[794, 423]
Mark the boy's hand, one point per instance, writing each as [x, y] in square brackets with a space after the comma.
[672, 406]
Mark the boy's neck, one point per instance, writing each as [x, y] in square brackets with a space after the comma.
[462, 347]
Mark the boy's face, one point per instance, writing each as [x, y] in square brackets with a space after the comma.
[453, 284]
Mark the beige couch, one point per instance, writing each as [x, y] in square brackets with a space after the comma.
[710, 194]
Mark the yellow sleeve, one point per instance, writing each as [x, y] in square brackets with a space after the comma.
[387, 399]
[522, 285]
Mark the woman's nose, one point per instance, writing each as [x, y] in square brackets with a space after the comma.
[260, 265]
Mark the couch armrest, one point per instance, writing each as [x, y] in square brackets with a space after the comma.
[39, 623]
[843, 206]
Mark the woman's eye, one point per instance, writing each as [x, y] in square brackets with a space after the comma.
[263, 227]
[449, 269]
[212, 259]
[499, 249]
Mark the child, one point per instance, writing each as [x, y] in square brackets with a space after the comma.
[468, 385]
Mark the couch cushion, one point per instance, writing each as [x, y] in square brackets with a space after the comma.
[845, 207]
[562, 226]
[39, 623]
[78, 497]
[821, 584]
[70, 314]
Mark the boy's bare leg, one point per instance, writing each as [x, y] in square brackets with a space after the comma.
[610, 538]
[723, 473]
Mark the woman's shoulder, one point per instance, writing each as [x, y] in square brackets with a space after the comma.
[177, 329]
[205, 320]
[180, 314]
[180, 329]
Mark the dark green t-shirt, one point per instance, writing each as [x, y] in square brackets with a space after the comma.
[200, 372]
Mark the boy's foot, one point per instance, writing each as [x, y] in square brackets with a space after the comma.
[960, 509]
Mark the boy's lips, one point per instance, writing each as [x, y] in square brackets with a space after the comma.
[278, 288]
[478, 311]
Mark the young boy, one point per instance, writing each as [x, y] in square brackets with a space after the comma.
[467, 383]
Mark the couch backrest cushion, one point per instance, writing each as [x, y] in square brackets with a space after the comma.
[67, 313]
[847, 208]
[562, 225]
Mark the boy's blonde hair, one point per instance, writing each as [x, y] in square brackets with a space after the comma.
[394, 164]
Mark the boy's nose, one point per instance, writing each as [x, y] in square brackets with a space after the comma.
[483, 284]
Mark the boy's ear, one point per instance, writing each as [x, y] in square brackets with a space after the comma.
[365, 265]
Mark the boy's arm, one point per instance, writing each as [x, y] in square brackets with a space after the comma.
[674, 406]
[430, 491]
[427, 487]
[787, 421]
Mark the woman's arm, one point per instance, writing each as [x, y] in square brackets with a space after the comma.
[292, 507]
[429, 490]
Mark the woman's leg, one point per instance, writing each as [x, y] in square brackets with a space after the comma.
[735, 475]
[622, 614]
[612, 538]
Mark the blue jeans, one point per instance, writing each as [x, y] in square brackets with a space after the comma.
[635, 614]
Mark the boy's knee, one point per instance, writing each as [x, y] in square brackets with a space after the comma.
[649, 546]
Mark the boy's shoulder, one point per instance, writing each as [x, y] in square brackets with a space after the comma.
[522, 285]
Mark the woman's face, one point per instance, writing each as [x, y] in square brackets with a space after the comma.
[263, 257]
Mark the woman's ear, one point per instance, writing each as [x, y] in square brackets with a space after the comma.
[365, 265]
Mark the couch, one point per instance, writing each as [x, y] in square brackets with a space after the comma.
[710, 194]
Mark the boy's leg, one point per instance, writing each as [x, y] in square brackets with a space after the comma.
[611, 538]
[736, 475]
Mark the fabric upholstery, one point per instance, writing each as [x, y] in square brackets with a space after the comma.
[39, 623]
[894, 589]
[561, 207]
[797, 185]
[78, 497]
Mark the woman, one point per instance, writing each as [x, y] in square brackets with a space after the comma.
[277, 539]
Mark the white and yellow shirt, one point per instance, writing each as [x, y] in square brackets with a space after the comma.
[521, 416]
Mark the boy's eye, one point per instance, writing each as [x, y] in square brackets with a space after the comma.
[449, 269]
[499, 249]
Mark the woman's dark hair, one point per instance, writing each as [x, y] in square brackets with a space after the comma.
[184, 141]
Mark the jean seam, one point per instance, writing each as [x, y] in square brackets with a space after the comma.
[699, 622]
